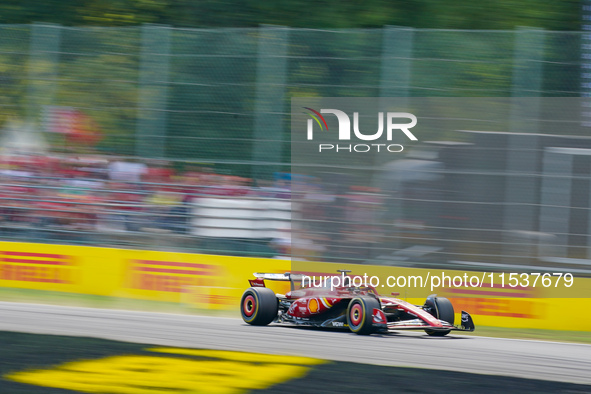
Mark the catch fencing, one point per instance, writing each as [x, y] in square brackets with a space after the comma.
[208, 111]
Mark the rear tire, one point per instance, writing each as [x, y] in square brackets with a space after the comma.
[259, 306]
[442, 309]
[360, 315]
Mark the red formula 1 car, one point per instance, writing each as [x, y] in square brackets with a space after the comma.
[360, 309]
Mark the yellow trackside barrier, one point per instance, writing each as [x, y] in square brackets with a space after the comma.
[205, 281]
[209, 297]
[217, 282]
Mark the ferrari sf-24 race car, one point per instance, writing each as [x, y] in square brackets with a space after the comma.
[360, 309]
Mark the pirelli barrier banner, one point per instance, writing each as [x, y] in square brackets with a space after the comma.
[205, 281]
[497, 299]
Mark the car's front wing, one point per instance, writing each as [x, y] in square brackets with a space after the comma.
[418, 324]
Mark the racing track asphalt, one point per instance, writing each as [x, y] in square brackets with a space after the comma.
[563, 362]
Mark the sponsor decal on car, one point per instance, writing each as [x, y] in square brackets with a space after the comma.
[313, 305]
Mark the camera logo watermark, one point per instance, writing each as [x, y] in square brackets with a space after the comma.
[344, 130]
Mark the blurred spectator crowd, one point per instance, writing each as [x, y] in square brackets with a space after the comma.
[95, 193]
[76, 198]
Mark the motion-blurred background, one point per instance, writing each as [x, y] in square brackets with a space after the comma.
[151, 159]
[165, 125]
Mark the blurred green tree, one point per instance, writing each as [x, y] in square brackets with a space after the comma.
[451, 14]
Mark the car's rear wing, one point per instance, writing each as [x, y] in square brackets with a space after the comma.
[286, 277]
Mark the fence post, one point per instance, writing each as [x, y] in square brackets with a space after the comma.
[556, 194]
[153, 91]
[396, 67]
[42, 68]
[522, 189]
[395, 80]
[270, 99]
[528, 55]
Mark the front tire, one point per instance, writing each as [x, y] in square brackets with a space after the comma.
[360, 315]
[259, 306]
[442, 309]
